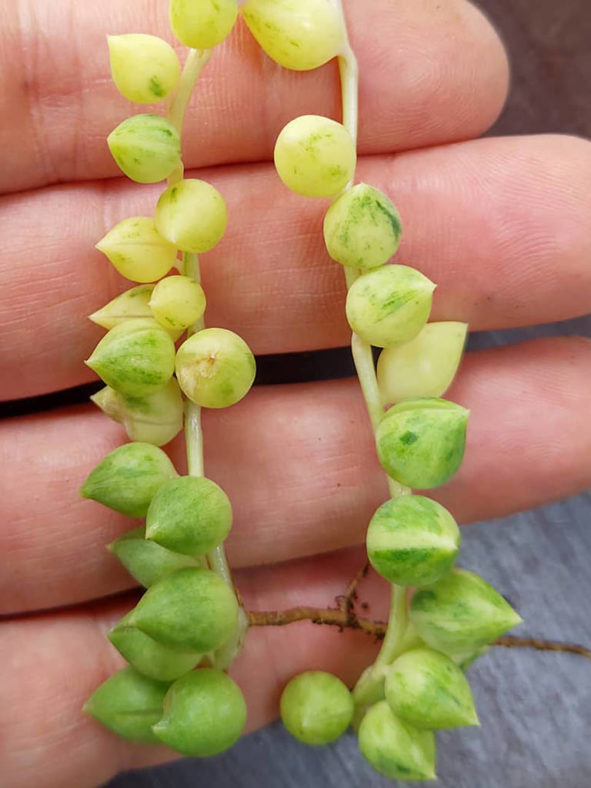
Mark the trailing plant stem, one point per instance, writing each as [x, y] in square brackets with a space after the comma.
[194, 64]
[397, 623]
[193, 428]
[349, 73]
[370, 686]
[366, 372]
[371, 681]
[216, 559]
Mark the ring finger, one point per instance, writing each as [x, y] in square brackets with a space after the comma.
[299, 465]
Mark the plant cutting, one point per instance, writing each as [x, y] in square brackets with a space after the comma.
[297, 461]
[501, 225]
[189, 626]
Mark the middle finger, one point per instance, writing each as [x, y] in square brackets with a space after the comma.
[503, 226]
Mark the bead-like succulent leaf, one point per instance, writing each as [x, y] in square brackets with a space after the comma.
[362, 229]
[144, 68]
[202, 24]
[127, 479]
[428, 690]
[189, 515]
[177, 302]
[315, 156]
[135, 358]
[204, 714]
[141, 254]
[191, 610]
[301, 36]
[132, 303]
[394, 748]
[156, 418]
[215, 368]
[461, 613]
[316, 707]
[389, 305]
[192, 215]
[146, 561]
[129, 704]
[146, 147]
[412, 541]
[423, 367]
[421, 442]
[148, 657]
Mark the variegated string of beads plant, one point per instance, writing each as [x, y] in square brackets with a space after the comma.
[190, 615]
[417, 683]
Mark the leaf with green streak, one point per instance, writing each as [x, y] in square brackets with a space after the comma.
[461, 613]
[150, 658]
[128, 478]
[146, 561]
[129, 704]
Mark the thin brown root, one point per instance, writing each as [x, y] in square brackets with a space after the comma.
[344, 617]
[336, 617]
[543, 645]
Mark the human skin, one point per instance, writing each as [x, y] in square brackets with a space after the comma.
[503, 226]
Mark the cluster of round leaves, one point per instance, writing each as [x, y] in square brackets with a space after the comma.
[422, 690]
[425, 689]
[411, 540]
[420, 440]
[188, 612]
[200, 715]
[137, 359]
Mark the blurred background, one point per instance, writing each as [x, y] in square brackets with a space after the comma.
[535, 707]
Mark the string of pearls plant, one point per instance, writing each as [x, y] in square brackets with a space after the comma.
[189, 625]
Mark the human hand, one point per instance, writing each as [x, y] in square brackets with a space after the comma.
[501, 225]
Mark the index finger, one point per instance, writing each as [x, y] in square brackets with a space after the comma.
[432, 72]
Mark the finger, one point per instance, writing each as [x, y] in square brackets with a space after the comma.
[299, 465]
[431, 72]
[503, 226]
[57, 661]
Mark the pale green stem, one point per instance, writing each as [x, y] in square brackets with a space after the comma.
[362, 353]
[349, 71]
[224, 656]
[410, 639]
[363, 358]
[370, 686]
[193, 429]
[194, 439]
[196, 60]
[397, 622]
[366, 372]
[216, 559]
[194, 64]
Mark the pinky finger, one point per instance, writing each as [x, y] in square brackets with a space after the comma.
[54, 662]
